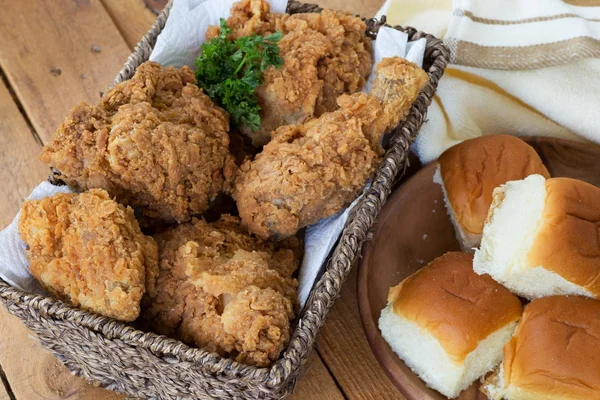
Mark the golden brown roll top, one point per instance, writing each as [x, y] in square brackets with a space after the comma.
[568, 237]
[472, 170]
[454, 304]
[555, 352]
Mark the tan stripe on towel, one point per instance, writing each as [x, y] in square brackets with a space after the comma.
[487, 21]
[583, 3]
[524, 57]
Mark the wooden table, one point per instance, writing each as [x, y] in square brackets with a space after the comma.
[55, 54]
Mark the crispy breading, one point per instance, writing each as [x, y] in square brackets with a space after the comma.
[324, 55]
[259, 319]
[206, 269]
[88, 250]
[244, 268]
[154, 141]
[311, 171]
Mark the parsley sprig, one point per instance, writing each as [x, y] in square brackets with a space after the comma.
[229, 71]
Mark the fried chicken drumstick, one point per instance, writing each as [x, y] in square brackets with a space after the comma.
[311, 171]
[88, 250]
[224, 290]
[324, 55]
[155, 141]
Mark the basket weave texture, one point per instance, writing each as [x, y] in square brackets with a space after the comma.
[121, 358]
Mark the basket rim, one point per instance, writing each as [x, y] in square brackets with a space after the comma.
[313, 316]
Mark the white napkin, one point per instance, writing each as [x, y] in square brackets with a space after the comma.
[14, 267]
[178, 45]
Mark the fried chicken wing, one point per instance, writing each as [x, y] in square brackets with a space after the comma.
[88, 250]
[311, 171]
[154, 141]
[324, 55]
[215, 280]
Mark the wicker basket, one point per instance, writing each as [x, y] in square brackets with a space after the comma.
[120, 358]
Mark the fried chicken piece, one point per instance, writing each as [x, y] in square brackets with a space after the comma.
[243, 269]
[311, 171]
[154, 141]
[88, 250]
[259, 319]
[324, 55]
[209, 270]
[248, 17]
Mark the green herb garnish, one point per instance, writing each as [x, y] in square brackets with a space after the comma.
[230, 71]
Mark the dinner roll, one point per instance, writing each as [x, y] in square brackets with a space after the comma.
[554, 353]
[542, 238]
[471, 170]
[449, 324]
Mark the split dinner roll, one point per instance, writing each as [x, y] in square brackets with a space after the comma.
[542, 238]
[554, 354]
[449, 324]
[470, 171]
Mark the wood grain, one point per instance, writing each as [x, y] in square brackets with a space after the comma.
[32, 372]
[133, 18]
[20, 169]
[57, 54]
[316, 383]
[345, 350]
[156, 5]
[566, 158]
[3, 393]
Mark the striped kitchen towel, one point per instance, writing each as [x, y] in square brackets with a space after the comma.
[522, 67]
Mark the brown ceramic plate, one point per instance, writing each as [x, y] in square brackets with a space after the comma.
[413, 229]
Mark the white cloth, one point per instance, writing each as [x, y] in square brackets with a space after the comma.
[521, 67]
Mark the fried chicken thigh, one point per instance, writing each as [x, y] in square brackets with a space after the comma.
[88, 250]
[311, 171]
[154, 141]
[324, 55]
[224, 290]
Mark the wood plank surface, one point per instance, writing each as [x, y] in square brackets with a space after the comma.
[133, 18]
[343, 346]
[20, 169]
[57, 54]
[317, 382]
[28, 56]
[32, 372]
[3, 393]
